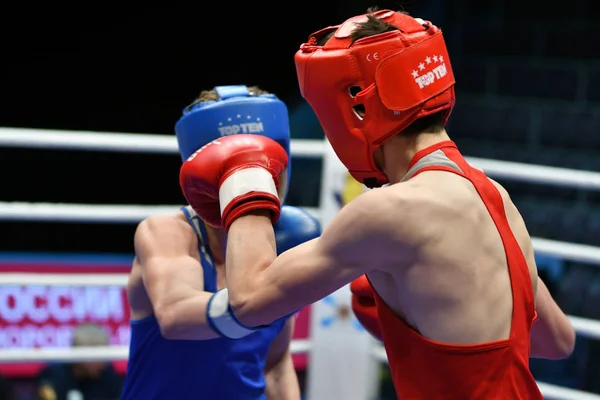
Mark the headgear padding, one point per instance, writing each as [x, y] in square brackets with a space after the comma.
[397, 77]
[236, 111]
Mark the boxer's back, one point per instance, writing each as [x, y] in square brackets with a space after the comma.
[458, 297]
[459, 280]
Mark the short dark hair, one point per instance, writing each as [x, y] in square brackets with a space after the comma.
[375, 26]
[212, 95]
[372, 26]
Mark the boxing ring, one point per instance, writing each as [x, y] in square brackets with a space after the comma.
[330, 350]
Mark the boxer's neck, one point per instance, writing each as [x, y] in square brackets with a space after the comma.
[399, 151]
[217, 241]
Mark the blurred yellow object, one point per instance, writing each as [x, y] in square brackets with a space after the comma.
[46, 393]
[352, 188]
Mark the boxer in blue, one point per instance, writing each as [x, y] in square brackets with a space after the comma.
[176, 351]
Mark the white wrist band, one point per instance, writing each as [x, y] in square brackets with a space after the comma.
[243, 182]
[221, 319]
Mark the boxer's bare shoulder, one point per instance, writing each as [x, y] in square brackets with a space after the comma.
[157, 236]
[379, 227]
[165, 232]
[393, 224]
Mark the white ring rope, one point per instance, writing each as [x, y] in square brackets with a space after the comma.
[61, 212]
[104, 213]
[167, 144]
[122, 142]
[554, 392]
[98, 353]
[540, 174]
[144, 143]
[59, 279]
[136, 213]
[121, 353]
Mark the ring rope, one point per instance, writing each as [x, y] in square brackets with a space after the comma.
[144, 143]
[121, 353]
[96, 353]
[135, 213]
[96, 213]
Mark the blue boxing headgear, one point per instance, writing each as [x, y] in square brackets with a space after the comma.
[236, 111]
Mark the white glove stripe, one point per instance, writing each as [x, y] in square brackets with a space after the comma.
[221, 319]
[245, 181]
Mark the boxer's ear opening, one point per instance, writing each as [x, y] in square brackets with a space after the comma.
[359, 111]
[354, 90]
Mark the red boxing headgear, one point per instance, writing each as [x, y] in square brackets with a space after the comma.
[400, 76]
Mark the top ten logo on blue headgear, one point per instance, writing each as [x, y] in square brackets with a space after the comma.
[250, 125]
[236, 112]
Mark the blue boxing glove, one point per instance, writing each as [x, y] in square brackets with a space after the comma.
[295, 226]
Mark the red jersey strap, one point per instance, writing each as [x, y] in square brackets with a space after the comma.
[419, 155]
[432, 158]
[444, 156]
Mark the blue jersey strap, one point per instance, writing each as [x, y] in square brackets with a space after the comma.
[206, 259]
[218, 311]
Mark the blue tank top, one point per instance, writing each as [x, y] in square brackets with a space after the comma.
[161, 369]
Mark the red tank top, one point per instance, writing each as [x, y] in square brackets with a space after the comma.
[427, 370]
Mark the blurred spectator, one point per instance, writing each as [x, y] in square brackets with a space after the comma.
[81, 381]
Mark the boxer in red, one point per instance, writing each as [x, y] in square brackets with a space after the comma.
[448, 260]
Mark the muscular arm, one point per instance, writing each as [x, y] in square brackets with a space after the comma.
[552, 335]
[173, 279]
[263, 287]
[282, 382]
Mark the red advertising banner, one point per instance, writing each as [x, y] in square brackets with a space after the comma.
[33, 316]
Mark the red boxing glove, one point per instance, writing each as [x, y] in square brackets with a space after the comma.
[232, 176]
[363, 305]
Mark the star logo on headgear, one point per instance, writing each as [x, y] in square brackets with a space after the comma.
[241, 124]
[425, 77]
